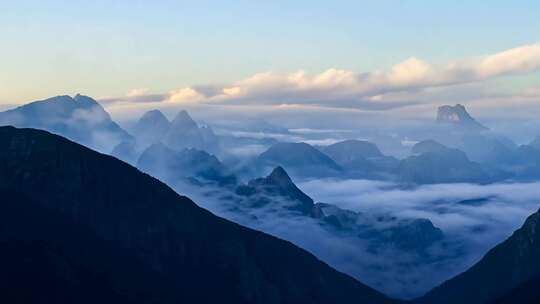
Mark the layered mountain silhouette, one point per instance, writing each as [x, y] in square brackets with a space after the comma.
[151, 127]
[412, 235]
[78, 118]
[459, 117]
[508, 273]
[360, 158]
[300, 159]
[443, 165]
[172, 166]
[180, 134]
[134, 233]
[427, 146]
[349, 151]
[185, 133]
[277, 184]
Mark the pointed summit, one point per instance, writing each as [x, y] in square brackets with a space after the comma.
[184, 120]
[279, 182]
[280, 177]
[154, 116]
[151, 127]
[184, 133]
[458, 116]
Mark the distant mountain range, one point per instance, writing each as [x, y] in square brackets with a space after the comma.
[300, 159]
[83, 120]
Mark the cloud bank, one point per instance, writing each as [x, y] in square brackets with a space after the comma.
[345, 88]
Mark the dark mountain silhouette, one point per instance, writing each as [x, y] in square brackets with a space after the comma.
[205, 258]
[78, 118]
[526, 293]
[441, 166]
[300, 159]
[459, 117]
[512, 264]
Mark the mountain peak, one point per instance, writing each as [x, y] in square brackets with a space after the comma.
[85, 100]
[279, 182]
[280, 176]
[183, 116]
[457, 115]
[153, 116]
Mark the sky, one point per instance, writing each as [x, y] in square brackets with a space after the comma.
[368, 55]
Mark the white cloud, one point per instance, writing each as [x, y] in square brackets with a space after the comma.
[412, 81]
[137, 92]
[185, 95]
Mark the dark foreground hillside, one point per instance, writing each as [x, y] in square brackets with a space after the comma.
[81, 227]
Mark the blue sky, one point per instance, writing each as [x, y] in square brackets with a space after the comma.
[107, 48]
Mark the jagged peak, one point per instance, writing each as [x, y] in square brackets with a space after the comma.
[183, 118]
[458, 115]
[280, 175]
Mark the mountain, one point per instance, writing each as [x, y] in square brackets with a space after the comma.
[172, 166]
[426, 146]
[526, 293]
[151, 127]
[79, 118]
[279, 184]
[300, 159]
[441, 166]
[487, 149]
[204, 258]
[360, 158]
[185, 133]
[350, 150]
[509, 268]
[459, 117]
[46, 255]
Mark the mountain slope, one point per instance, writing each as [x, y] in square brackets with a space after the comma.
[206, 258]
[505, 267]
